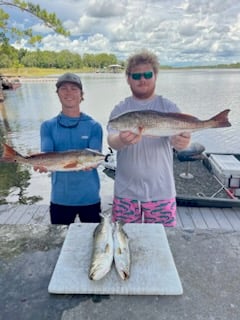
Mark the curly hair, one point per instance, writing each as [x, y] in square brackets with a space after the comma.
[142, 57]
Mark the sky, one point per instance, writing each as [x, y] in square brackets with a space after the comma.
[179, 32]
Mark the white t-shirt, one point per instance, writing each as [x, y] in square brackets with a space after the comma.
[145, 170]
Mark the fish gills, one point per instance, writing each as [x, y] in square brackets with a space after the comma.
[121, 251]
[102, 256]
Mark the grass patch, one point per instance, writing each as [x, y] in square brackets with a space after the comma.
[40, 72]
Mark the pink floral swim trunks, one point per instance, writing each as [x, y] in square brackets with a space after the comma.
[134, 211]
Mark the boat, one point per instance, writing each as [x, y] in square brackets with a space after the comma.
[202, 179]
[9, 83]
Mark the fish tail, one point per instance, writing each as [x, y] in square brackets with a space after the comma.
[221, 119]
[106, 214]
[9, 152]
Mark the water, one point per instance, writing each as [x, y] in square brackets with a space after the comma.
[202, 93]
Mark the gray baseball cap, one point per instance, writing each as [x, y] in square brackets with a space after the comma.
[69, 77]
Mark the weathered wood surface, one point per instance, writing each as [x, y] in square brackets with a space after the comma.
[187, 218]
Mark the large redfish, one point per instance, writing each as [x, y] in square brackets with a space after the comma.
[154, 123]
[56, 161]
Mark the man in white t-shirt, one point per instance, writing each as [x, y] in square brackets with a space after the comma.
[144, 189]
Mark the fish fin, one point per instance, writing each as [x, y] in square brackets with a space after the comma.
[221, 119]
[106, 213]
[179, 116]
[118, 250]
[107, 248]
[9, 152]
[72, 164]
[121, 223]
[96, 152]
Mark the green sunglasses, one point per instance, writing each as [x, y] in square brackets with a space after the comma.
[138, 76]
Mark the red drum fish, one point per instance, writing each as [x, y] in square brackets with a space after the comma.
[56, 161]
[154, 123]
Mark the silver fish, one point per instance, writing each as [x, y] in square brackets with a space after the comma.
[154, 123]
[56, 161]
[121, 251]
[102, 256]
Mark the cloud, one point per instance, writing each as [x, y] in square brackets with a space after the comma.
[180, 32]
[106, 8]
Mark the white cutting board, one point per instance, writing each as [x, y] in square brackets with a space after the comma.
[153, 271]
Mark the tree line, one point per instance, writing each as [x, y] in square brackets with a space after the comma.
[13, 58]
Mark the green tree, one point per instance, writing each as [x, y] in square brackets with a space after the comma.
[10, 52]
[8, 31]
[89, 60]
[103, 60]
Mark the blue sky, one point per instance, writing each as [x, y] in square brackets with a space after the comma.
[180, 32]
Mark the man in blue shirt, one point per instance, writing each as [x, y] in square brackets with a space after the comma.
[76, 192]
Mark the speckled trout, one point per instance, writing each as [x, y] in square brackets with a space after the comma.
[102, 254]
[121, 251]
[56, 161]
[154, 123]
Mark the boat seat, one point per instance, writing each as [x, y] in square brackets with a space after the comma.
[193, 152]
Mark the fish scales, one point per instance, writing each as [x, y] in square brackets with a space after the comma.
[102, 255]
[154, 123]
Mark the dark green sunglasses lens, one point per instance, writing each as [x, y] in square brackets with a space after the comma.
[138, 76]
[148, 75]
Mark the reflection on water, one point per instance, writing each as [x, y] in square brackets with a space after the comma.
[14, 181]
[202, 93]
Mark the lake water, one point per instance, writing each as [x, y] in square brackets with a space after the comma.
[202, 93]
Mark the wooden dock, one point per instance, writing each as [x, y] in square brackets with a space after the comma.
[188, 217]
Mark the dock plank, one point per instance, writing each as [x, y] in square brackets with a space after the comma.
[4, 213]
[178, 217]
[185, 216]
[209, 218]
[41, 216]
[222, 219]
[14, 214]
[27, 217]
[233, 218]
[198, 219]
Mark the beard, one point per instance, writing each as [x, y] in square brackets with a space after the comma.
[143, 94]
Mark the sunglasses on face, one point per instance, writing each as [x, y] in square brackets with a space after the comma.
[138, 76]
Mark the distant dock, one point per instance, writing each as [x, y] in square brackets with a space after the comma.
[38, 79]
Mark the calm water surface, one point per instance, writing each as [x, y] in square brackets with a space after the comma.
[202, 93]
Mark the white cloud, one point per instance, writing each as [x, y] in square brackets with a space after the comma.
[190, 32]
[106, 8]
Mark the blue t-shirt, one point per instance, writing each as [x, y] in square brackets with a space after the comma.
[63, 133]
